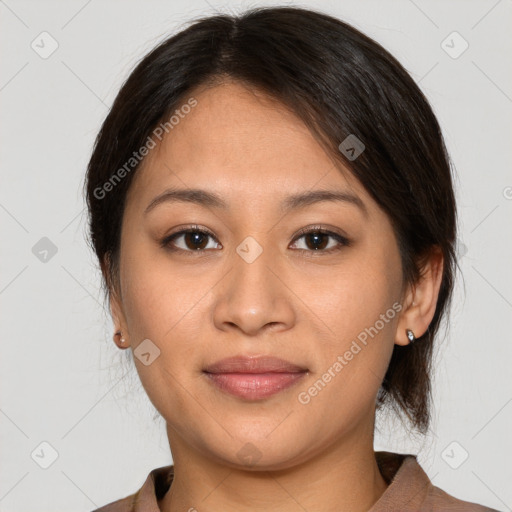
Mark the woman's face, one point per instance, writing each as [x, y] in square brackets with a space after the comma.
[257, 286]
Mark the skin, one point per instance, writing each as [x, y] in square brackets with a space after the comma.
[293, 302]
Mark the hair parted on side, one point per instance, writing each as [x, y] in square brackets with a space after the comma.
[339, 82]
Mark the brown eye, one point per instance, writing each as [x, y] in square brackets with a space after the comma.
[316, 241]
[195, 240]
[188, 240]
[321, 240]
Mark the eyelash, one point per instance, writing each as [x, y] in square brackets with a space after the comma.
[342, 240]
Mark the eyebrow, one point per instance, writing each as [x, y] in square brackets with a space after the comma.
[293, 202]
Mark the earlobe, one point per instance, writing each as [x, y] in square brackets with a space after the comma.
[422, 300]
[120, 340]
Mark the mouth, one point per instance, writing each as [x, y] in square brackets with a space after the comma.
[254, 378]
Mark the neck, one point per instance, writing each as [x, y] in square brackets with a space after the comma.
[343, 478]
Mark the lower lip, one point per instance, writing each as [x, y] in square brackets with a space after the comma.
[254, 386]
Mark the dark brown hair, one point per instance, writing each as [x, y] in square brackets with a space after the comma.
[339, 82]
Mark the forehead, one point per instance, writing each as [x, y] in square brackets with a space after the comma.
[242, 144]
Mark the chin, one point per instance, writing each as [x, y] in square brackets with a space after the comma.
[273, 453]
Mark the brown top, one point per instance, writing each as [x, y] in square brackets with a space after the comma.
[409, 490]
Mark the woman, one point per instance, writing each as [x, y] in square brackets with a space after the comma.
[271, 204]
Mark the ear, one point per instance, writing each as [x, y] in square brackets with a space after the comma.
[115, 303]
[421, 298]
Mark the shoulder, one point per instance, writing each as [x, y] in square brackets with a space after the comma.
[441, 500]
[145, 499]
[121, 505]
[410, 489]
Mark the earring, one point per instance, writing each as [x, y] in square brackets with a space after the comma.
[410, 335]
[121, 339]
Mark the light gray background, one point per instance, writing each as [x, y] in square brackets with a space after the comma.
[61, 375]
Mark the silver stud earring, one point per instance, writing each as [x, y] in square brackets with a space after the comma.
[410, 335]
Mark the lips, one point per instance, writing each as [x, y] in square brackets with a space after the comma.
[254, 378]
[254, 364]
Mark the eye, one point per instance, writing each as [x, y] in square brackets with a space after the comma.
[189, 240]
[317, 239]
[195, 239]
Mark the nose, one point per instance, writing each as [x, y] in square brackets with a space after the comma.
[254, 296]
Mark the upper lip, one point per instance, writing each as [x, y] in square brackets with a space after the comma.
[254, 364]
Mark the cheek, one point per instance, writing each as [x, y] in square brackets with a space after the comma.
[159, 299]
[350, 364]
[352, 297]
[159, 309]
[360, 306]
[154, 309]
